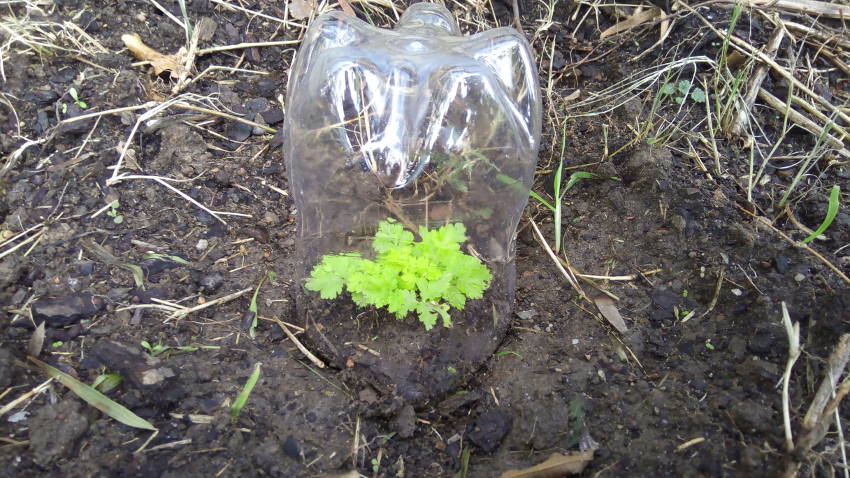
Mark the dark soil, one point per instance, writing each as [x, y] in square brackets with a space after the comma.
[560, 376]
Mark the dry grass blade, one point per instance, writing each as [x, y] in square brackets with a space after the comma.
[36, 341]
[755, 82]
[810, 7]
[95, 398]
[749, 50]
[567, 274]
[611, 313]
[184, 312]
[316, 361]
[174, 64]
[835, 367]
[792, 330]
[556, 466]
[14, 403]
[802, 121]
[633, 21]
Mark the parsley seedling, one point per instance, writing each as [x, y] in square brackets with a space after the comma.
[427, 277]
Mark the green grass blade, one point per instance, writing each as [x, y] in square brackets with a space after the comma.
[242, 399]
[560, 197]
[542, 201]
[831, 212]
[107, 381]
[576, 177]
[96, 399]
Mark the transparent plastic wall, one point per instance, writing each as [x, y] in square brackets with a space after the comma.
[420, 124]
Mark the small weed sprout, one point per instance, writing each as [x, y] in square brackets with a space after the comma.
[242, 398]
[113, 212]
[831, 212]
[682, 90]
[427, 277]
[77, 101]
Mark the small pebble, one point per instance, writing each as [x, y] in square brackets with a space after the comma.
[202, 244]
[799, 277]
[737, 292]
[575, 341]
[141, 16]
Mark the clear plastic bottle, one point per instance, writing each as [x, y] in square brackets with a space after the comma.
[420, 124]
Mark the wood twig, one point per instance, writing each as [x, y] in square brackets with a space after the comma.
[568, 275]
[316, 361]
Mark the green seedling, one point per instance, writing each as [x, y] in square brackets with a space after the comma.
[167, 257]
[559, 196]
[427, 277]
[451, 369]
[113, 212]
[57, 344]
[153, 350]
[252, 307]
[242, 398]
[831, 212]
[159, 349]
[107, 381]
[683, 90]
[77, 101]
[376, 465]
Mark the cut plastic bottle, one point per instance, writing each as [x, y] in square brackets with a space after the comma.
[427, 127]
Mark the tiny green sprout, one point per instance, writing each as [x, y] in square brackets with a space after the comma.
[427, 277]
[685, 293]
[831, 212]
[166, 257]
[681, 91]
[153, 350]
[106, 382]
[159, 349]
[57, 344]
[74, 96]
[376, 465]
[452, 370]
[113, 212]
[242, 398]
[709, 345]
[698, 95]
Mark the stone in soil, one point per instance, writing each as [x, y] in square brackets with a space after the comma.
[55, 430]
[490, 429]
[66, 310]
[140, 369]
[405, 422]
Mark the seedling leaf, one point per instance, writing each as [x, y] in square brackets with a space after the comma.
[831, 212]
[95, 398]
[698, 95]
[242, 398]
[576, 177]
[107, 381]
[427, 277]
